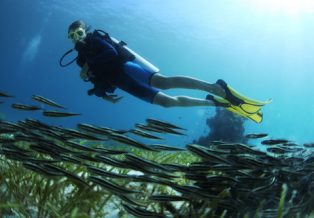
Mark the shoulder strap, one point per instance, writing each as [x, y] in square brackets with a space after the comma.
[103, 35]
[125, 55]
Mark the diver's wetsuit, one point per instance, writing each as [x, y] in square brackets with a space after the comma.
[107, 71]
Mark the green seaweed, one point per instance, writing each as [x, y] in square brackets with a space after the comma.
[282, 201]
[24, 193]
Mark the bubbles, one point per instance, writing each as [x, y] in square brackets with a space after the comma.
[32, 49]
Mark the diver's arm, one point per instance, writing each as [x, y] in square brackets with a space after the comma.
[84, 71]
[101, 91]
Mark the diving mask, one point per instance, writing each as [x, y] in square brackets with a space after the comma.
[77, 35]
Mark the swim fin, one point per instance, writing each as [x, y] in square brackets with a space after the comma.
[221, 102]
[241, 102]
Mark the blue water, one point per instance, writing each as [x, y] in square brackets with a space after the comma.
[264, 49]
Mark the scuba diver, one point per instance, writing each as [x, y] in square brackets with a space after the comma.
[110, 64]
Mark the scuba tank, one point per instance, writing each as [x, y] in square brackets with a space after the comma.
[136, 57]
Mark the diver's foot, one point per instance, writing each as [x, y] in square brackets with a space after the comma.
[219, 102]
[217, 90]
[228, 94]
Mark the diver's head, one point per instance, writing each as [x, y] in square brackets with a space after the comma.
[77, 31]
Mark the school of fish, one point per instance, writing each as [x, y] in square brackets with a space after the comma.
[238, 179]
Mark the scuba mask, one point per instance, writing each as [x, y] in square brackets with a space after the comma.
[77, 35]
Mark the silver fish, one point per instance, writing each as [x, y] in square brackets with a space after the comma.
[25, 107]
[72, 177]
[39, 169]
[125, 198]
[57, 148]
[5, 95]
[144, 134]
[102, 172]
[71, 159]
[163, 124]
[167, 198]
[161, 147]
[10, 126]
[128, 141]
[164, 129]
[79, 147]
[110, 186]
[80, 135]
[140, 212]
[256, 136]
[59, 114]
[278, 150]
[147, 128]
[44, 150]
[202, 152]
[86, 157]
[46, 101]
[109, 151]
[269, 184]
[111, 161]
[148, 170]
[14, 154]
[93, 129]
[144, 162]
[275, 141]
[309, 145]
[36, 124]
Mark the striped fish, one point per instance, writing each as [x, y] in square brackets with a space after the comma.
[167, 198]
[46, 101]
[110, 186]
[144, 134]
[79, 135]
[111, 161]
[58, 114]
[163, 124]
[256, 135]
[39, 169]
[5, 95]
[164, 129]
[147, 128]
[99, 130]
[125, 198]
[140, 212]
[25, 107]
[72, 177]
[128, 141]
[275, 141]
[79, 147]
[102, 172]
[162, 147]
[146, 163]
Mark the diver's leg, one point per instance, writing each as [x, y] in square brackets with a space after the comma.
[163, 82]
[179, 101]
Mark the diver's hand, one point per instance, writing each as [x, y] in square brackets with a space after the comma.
[84, 72]
[112, 98]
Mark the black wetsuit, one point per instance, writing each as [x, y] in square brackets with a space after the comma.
[107, 71]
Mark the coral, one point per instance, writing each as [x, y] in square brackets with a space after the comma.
[224, 126]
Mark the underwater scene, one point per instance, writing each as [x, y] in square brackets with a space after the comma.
[151, 108]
